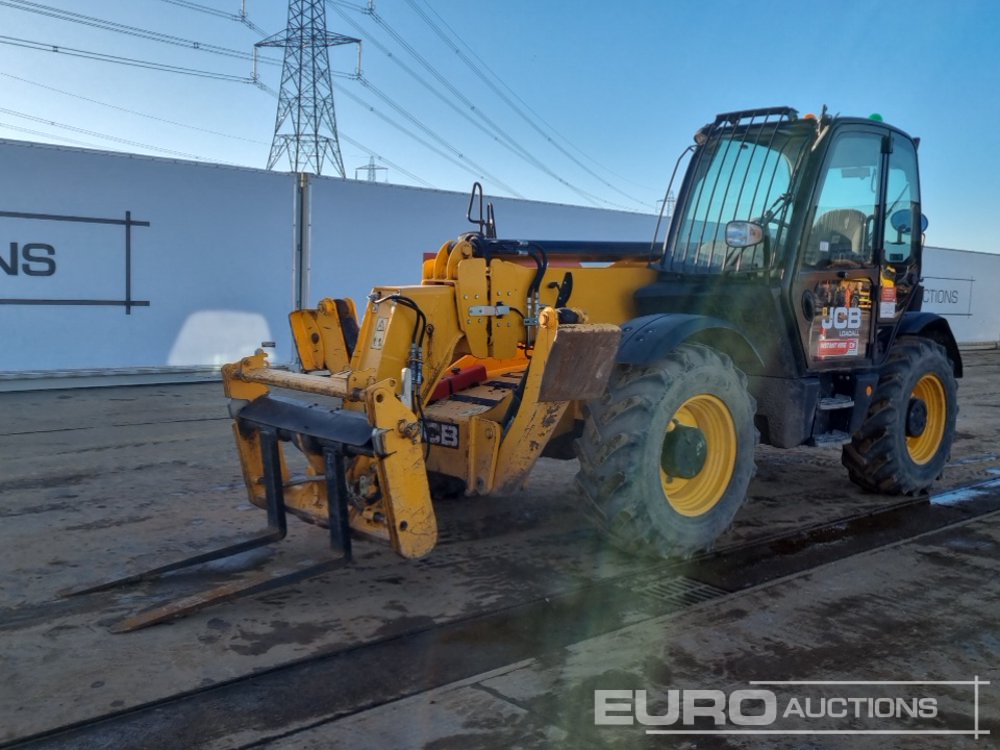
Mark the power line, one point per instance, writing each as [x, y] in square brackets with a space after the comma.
[307, 96]
[39, 8]
[31, 131]
[432, 134]
[133, 62]
[349, 6]
[370, 11]
[343, 135]
[461, 40]
[395, 166]
[97, 134]
[132, 111]
[202, 8]
[482, 76]
[493, 132]
[156, 36]
[468, 166]
[363, 147]
[241, 16]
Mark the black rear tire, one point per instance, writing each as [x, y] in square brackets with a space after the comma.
[882, 456]
[621, 452]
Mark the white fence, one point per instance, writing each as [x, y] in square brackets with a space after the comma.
[112, 261]
[960, 285]
[115, 262]
[366, 233]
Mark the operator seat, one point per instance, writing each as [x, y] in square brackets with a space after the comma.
[843, 229]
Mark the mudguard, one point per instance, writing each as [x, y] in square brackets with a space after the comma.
[934, 327]
[650, 337]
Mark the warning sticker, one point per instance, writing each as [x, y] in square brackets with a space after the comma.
[381, 326]
[887, 302]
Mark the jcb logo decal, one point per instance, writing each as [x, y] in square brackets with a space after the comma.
[444, 434]
[841, 318]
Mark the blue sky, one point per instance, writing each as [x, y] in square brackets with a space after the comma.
[621, 87]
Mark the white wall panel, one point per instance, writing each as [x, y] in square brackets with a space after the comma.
[214, 263]
[367, 233]
[964, 287]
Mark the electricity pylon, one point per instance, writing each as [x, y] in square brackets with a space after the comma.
[306, 125]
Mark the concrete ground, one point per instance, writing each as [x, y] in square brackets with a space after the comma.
[922, 610]
[97, 483]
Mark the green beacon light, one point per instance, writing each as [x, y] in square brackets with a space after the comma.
[875, 116]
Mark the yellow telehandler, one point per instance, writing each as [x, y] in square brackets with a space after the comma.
[782, 304]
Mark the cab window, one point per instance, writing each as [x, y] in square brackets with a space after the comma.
[843, 217]
[903, 222]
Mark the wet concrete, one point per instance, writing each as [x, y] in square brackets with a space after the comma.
[95, 483]
[922, 610]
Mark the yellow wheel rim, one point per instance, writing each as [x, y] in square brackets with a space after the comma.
[701, 493]
[923, 447]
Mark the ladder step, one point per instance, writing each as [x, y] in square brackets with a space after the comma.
[834, 437]
[835, 402]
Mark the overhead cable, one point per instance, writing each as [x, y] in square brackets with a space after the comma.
[381, 158]
[370, 11]
[156, 36]
[430, 133]
[133, 62]
[97, 134]
[459, 159]
[483, 124]
[344, 136]
[132, 111]
[241, 17]
[54, 136]
[472, 53]
[447, 39]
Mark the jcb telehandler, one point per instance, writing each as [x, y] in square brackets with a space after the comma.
[781, 304]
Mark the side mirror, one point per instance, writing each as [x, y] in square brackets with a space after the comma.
[744, 234]
[900, 221]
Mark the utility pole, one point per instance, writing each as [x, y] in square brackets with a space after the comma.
[668, 212]
[371, 169]
[305, 127]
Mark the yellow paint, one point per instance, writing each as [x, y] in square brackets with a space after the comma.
[483, 455]
[234, 384]
[390, 492]
[402, 478]
[930, 390]
[701, 493]
[508, 286]
[535, 421]
[473, 291]
[319, 336]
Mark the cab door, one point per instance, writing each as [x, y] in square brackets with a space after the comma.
[837, 281]
[901, 245]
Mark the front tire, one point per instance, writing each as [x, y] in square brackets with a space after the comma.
[905, 440]
[667, 453]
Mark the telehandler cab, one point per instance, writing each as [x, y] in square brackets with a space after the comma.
[782, 303]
